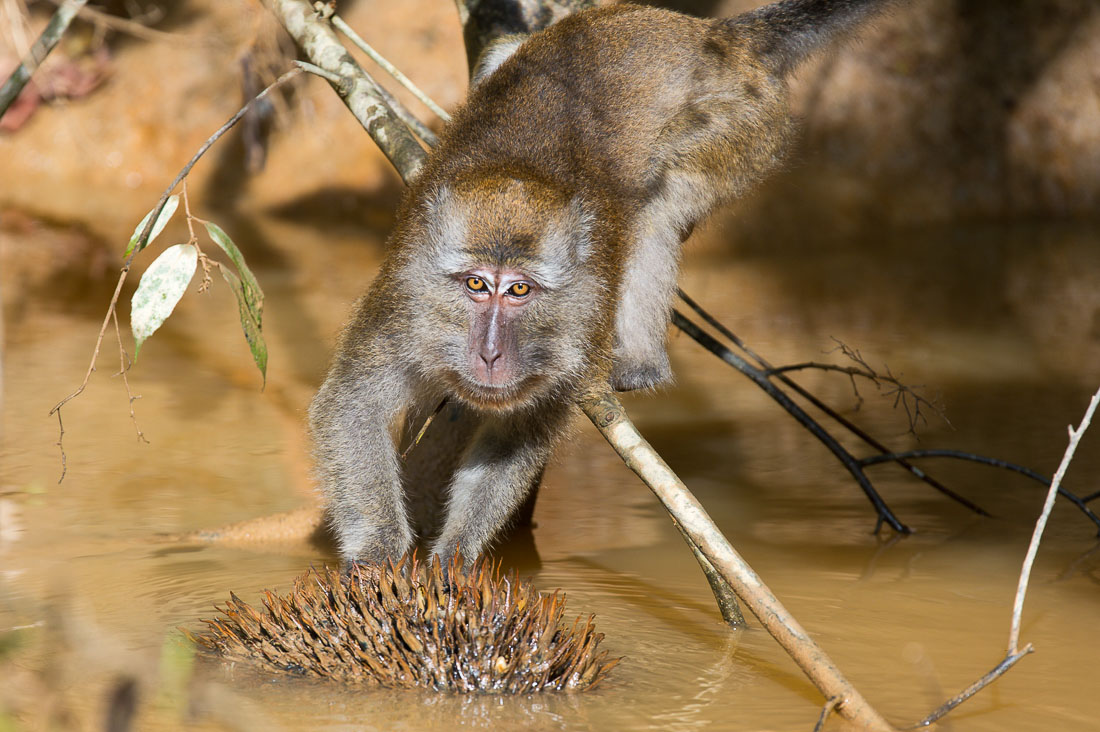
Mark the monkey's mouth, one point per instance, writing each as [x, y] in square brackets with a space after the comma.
[495, 396]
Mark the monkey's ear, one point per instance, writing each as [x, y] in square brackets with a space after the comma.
[446, 226]
[495, 54]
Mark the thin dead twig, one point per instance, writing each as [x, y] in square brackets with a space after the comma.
[91, 368]
[1040, 524]
[193, 240]
[829, 708]
[389, 68]
[995, 673]
[1081, 502]
[884, 513]
[424, 428]
[1014, 652]
[124, 365]
[902, 392]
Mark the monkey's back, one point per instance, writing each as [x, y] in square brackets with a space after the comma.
[597, 99]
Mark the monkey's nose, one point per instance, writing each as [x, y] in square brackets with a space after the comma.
[490, 356]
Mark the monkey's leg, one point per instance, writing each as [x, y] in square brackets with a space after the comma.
[357, 462]
[504, 462]
[645, 300]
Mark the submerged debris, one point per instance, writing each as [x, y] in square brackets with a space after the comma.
[415, 626]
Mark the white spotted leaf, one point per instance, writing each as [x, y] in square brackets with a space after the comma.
[166, 214]
[161, 287]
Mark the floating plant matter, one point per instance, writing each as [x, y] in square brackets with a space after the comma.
[414, 625]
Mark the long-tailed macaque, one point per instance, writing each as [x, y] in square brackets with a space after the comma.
[535, 258]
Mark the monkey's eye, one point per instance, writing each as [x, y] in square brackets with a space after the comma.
[520, 289]
[476, 284]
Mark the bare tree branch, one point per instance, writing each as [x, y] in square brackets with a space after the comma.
[760, 379]
[770, 371]
[1041, 523]
[390, 69]
[1015, 653]
[610, 419]
[1079, 501]
[38, 53]
[362, 95]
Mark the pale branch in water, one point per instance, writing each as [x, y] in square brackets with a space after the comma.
[1040, 524]
[140, 243]
[609, 417]
[38, 52]
[1014, 652]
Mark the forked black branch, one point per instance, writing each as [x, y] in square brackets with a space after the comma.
[912, 401]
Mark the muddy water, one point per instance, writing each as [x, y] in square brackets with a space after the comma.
[1002, 326]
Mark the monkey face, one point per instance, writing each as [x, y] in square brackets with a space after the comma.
[502, 356]
[504, 285]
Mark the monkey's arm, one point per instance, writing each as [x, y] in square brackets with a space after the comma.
[498, 470]
[351, 419]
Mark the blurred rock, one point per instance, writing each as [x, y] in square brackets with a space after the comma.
[947, 109]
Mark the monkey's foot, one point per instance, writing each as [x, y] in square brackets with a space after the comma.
[632, 376]
[372, 545]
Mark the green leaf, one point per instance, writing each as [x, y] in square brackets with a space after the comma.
[253, 294]
[166, 214]
[250, 320]
[161, 287]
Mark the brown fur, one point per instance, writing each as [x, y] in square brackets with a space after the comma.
[580, 161]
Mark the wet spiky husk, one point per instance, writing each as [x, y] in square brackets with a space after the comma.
[415, 626]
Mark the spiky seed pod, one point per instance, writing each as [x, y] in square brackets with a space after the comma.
[415, 625]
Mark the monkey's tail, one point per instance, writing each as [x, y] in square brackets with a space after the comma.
[785, 33]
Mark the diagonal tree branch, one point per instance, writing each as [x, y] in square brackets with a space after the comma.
[691, 518]
[38, 53]
[362, 95]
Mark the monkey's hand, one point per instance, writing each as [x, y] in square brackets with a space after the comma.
[357, 461]
[500, 468]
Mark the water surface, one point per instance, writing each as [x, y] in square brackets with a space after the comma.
[1003, 326]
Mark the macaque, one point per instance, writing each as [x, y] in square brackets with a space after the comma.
[534, 259]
